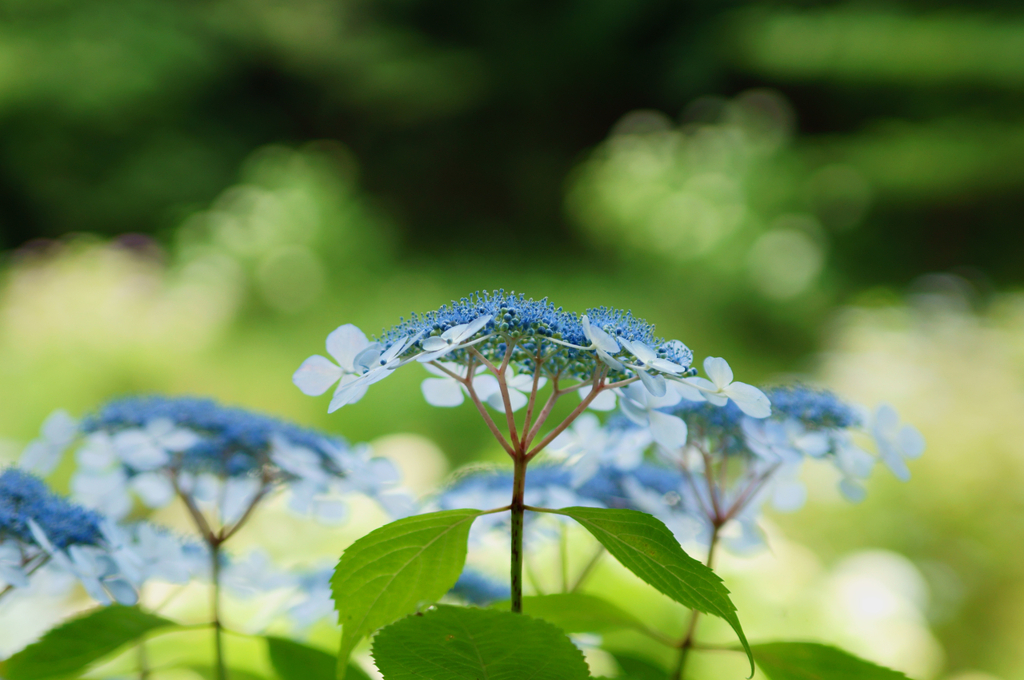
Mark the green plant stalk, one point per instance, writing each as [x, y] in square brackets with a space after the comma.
[688, 642]
[218, 641]
[518, 509]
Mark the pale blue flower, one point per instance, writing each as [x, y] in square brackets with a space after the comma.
[895, 443]
[56, 435]
[721, 388]
[587, 446]
[316, 374]
[456, 337]
[477, 589]
[517, 385]
[644, 409]
[530, 331]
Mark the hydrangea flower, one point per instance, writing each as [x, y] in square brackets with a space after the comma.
[729, 464]
[38, 527]
[55, 436]
[605, 355]
[477, 589]
[156, 448]
[485, 327]
[895, 442]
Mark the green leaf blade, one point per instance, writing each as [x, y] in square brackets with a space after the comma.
[645, 546]
[462, 643]
[392, 570]
[69, 648]
[813, 661]
[295, 661]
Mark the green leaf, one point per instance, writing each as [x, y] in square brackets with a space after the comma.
[210, 673]
[645, 546]
[70, 647]
[462, 643]
[812, 661]
[394, 569]
[296, 661]
[635, 668]
[578, 613]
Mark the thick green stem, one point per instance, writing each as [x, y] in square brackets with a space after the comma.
[518, 511]
[215, 606]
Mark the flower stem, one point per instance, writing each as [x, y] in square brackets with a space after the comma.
[688, 642]
[518, 511]
[215, 606]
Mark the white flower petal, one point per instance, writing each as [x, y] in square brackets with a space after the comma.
[751, 400]
[598, 338]
[911, 442]
[852, 491]
[59, 428]
[789, 495]
[886, 419]
[397, 348]
[688, 391]
[474, 326]
[122, 591]
[670, 398]
[434, 343]
[344, 343]
[368, 359]
[444, 392]
[40, 536]
[612, 362]
[655, 384]
[894, 461]
[641, 351]
[153, 489]
[602, 402]
[239, 493]
[668, 431]
[718, 370]
[517, 400]
[316, 375]
[39, 457]
[350, 390]
[666, 366]
[485, 386]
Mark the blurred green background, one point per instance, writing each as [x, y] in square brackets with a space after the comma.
[193, 194]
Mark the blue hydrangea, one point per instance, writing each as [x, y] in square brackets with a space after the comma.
[24, 497]
[532, 324]
[814, 408]
[475, 588]
[233, 441]
[155, 448]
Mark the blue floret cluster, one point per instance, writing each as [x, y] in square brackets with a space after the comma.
[24, 497]
[234, 441]
[814, 408]
[532, 325]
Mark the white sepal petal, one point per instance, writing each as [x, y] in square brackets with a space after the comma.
[655, 384]
[718, 370]
[667, 430]
[750, 400]
[316, 375]
[443, 392]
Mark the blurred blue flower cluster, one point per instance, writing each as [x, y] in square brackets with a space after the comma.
[147, 452]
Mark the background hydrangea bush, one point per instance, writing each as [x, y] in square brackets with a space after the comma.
[608, 429]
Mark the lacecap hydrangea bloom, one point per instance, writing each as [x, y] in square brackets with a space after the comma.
[515, 337]
[714, 486]
[154, 449]
[502, 350]
[40, 529]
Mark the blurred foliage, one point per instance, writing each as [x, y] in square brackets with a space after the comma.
[192, 195]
